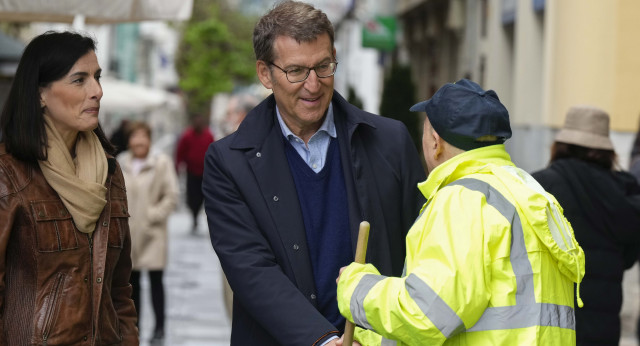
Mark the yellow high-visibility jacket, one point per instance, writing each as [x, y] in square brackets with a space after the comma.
[491, 260]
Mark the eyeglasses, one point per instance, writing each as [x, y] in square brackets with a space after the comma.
[300, 74]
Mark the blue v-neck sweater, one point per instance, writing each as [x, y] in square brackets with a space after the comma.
[323, 201]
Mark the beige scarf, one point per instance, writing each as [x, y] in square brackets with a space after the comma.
[79, 182]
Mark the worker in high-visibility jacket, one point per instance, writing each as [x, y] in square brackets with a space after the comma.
[491, 260]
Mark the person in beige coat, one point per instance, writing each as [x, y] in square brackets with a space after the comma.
[152, 190]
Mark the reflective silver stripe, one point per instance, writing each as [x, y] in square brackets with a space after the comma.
[357, 299]
[525, 293]
[526, 312]
[436, 309]
[387, 342]
[523, 316]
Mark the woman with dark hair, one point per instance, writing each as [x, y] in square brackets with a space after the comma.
[64, 237]
[603, 206]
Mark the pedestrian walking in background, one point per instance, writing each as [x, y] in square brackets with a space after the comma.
[603, 206]
[152, 191]
[119, 137]
[490, 261]
[237, 108]
[192, 146]
[285, 193]
[64, 236]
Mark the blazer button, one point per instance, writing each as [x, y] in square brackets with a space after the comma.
[99, 280]
[275, 198]
[313, 296]
[258, 154]
[85, 338]
[105, 224]
[296, 247]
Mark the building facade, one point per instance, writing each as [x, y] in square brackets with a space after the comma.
[540, 56]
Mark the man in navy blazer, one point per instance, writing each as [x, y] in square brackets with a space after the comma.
[285, 193]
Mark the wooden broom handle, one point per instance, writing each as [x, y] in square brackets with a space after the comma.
[361, 253]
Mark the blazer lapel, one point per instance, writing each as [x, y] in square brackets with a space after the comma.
[348, 119]
[271, 169]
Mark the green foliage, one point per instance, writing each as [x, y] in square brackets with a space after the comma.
[398, 96]
[215, 54]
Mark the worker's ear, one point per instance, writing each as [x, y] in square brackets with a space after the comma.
[438, 145]
[264, 74]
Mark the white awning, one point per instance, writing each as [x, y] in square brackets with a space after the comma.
[122, 96]
[94, 12]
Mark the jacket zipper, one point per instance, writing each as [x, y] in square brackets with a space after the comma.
[93, 330]
[52, 307]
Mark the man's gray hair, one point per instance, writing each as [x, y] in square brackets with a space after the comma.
[298, 20]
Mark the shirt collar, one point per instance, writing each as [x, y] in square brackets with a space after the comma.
[328, 125]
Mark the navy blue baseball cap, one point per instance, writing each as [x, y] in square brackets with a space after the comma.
[462, 112]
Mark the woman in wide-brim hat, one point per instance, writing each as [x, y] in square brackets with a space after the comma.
[603, 206]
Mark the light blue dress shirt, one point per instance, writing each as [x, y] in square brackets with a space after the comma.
[313, 153]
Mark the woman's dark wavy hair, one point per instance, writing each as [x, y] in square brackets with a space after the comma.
[606, 159]
[46, 59]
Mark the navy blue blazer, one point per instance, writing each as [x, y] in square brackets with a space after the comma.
[256, 224]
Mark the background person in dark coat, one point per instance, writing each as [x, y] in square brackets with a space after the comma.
[285, 193]
[603, 206]
[190, 151]
[119, 137]
[634, 168]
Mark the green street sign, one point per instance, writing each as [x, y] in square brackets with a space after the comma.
[379, 33]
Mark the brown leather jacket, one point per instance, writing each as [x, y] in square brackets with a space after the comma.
[59, 286]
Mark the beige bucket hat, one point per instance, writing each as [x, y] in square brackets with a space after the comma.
[586, 126]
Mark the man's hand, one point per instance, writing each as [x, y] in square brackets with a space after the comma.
[339, 342]
[341, 270]
[334, 342]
